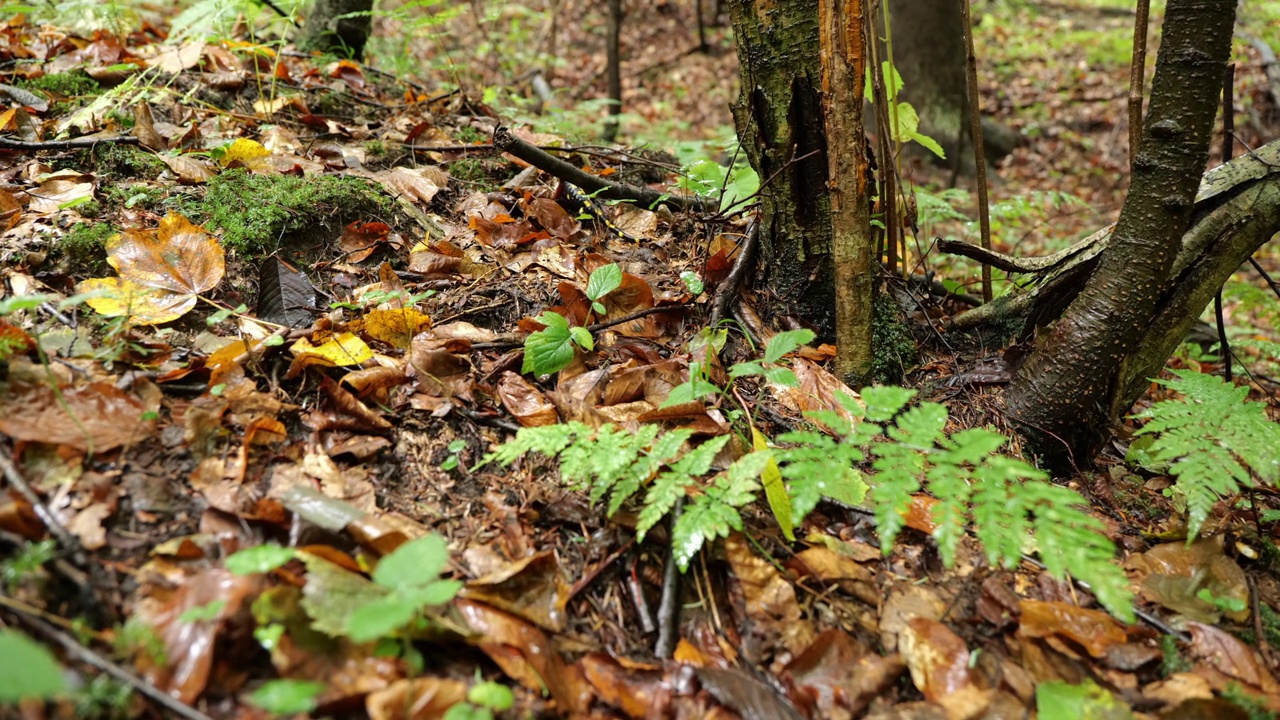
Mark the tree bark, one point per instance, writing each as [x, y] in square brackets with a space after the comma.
[339, 27]
[1078, 378]
[844, 62]
[780, 124]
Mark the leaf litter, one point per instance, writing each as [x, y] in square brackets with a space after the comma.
[295, 493]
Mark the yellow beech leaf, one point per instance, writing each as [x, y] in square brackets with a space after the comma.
[395, 327]
[345, 349]
[161, 271]
[774, 491]
[247, 152]
[114, 297]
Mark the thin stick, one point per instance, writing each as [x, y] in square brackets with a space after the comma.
[1228, 149]
[505, 141]
[1137, 79]
[63, 536]
[89, 657]
[669, 606]
[8, 144]
[728, 290]
[975, 134]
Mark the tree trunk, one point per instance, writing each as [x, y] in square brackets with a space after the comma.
[1079, 378]
[844, 63]
[339, 27]
[928, 51]
[780, 124]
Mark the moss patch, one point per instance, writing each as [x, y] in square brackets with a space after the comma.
[85, 246]
[255, 211]
[895, 349]
[115, 161]
[71, 84]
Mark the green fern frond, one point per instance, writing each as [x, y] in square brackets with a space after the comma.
[1215, 442]
[549, 440]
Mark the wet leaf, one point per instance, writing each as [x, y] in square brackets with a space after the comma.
[28, 671]
[161, 271]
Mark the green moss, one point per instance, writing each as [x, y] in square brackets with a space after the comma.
[895, 349]
[1254, 706]
[69, 83]
[130, 196]
[375, 148]
[256, 211]
[84, 245]
[114, 161]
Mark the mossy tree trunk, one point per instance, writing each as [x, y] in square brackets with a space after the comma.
[338, 27]
[780, 123]
[1080, 376]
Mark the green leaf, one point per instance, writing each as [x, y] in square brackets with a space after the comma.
[414, 564]
[582, 337]
[781, 376]
[1057, 700]
[10, 305]
[785, 342]
[333, 594]
[599, 308]
[258, 560]
[744, 369]
[382, 617]
[492, 695]
[549, 350]
[208, 611]
[287, 697]
[603, 281]
[774, 489]
[691, 281]
[27, 670]
[928, 143]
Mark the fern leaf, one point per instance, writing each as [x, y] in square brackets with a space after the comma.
[885, 402]
[661, 497]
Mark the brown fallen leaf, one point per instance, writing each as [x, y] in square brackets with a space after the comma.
[1092, 630]
[525, 402]
[939, 664]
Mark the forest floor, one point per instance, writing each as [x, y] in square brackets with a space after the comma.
[345, 277]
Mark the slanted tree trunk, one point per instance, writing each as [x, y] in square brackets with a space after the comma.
[780, 124]
[339, 27]
[1081, 375]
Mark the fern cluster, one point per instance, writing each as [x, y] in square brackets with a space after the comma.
[1008, 503]
[1213, 441]
[611, 462]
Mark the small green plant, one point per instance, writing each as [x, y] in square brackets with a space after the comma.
[1171, 658]
[551, 349]
[1212, 440]
[85, 244]
[287, 697]
[454, 448]
[104, 698]
[1255, 707]
[484, 699]
[407, 582]
[905, 121]
[26, 563]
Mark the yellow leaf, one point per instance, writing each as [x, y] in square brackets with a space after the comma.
[343, 350]
[395, 327]
[774, 491]
[145, 305]
[245, 151]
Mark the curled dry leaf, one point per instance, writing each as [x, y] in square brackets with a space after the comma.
[770, 598]
[161, 271]
[415, 699]
[939, 664]
[531, 588]
[1093, 630]
[526, 655]
[525, 402]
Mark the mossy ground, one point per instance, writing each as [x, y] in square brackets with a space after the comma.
[84, 246]
[256, 212]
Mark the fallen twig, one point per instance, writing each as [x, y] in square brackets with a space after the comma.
[728, 289]
[84, 142]
[504, 140]
[89, 657]
[669, 606]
